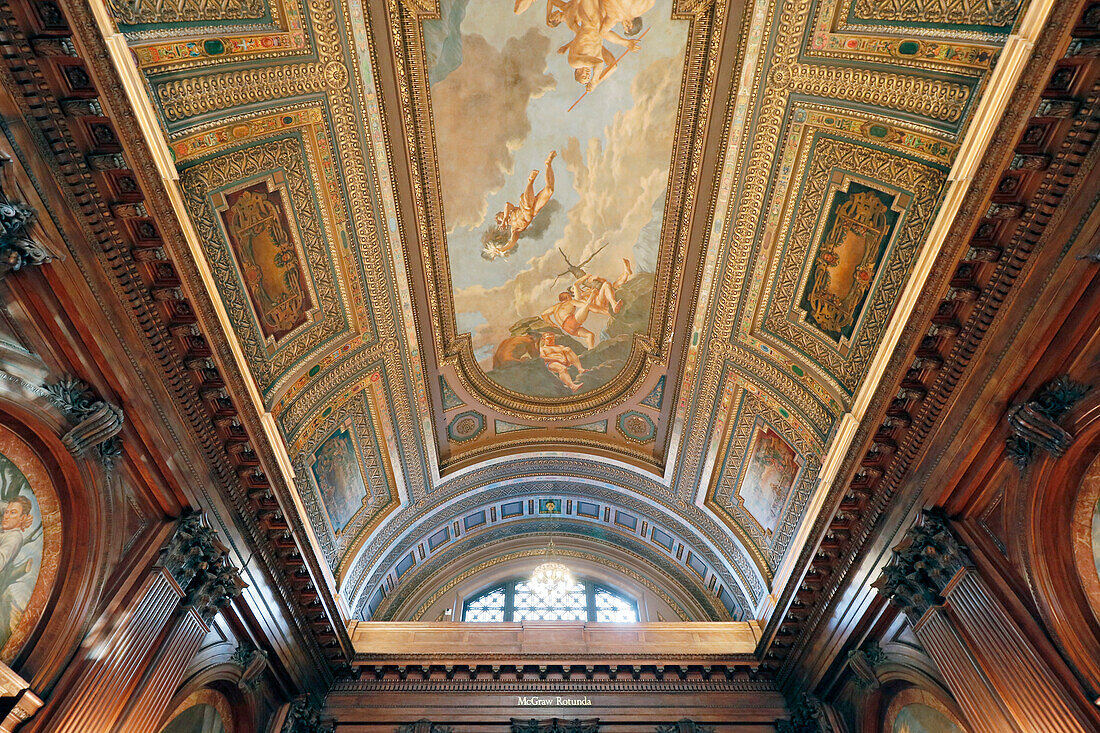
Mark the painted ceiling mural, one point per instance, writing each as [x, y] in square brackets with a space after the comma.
[639, 254]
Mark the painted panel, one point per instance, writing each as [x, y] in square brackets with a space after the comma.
[339, 478]
[554, 140]
[260, 238]
[770, 473]
[858, 226]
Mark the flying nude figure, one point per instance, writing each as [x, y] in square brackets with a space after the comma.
[593, 22]
[501, 239]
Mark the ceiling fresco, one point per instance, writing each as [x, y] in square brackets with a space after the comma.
[633, 254]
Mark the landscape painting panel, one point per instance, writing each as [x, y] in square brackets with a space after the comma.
[260, 237]
[770, 472]
[554, 127]
[339, 477]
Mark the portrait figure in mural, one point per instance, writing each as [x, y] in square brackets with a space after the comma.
[20, 546]
[501, 240]
[846, 263]
[769, 477]
[260, 236]
[559, 359]
[339, 477]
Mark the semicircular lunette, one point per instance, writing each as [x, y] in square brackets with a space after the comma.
[650, 537]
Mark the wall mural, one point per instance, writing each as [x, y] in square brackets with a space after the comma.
[918, 718]
[554, 138]
[1096, 536]
[200, 718]
[30, 542]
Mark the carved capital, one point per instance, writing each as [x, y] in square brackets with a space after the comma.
[556, 725]
[304, 716]
[422, 726]
[97, 422]
[685, 725]
[808, 715]
[922, 565]
[17, 248]
[198, 562]
[1033, 424]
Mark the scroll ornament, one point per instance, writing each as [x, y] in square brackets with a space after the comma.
[97, 422]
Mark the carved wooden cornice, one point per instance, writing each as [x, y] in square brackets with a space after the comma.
[1047, 149]
[59, 72]
[537, 677]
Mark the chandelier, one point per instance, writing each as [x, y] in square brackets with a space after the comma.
[551, 580]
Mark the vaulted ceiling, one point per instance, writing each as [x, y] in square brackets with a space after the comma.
[713, 224]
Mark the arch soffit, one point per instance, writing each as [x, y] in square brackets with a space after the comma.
[609, 509]
[469, 567]
[1054, 500]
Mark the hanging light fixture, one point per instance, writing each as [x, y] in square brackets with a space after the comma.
[551, 580]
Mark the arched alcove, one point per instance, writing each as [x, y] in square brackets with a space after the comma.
[203, 711]
[70, 504]
[436, 591]
[1055, 500]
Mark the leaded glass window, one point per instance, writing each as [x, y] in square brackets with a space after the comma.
[584, 601]
[612, 608]
[488, 607]
[572, 605]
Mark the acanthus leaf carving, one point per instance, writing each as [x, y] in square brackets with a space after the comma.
[97, 422]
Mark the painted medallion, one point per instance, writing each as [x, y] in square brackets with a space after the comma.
[30, 542]
[554, 126]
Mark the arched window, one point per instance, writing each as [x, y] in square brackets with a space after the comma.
[584, 601]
